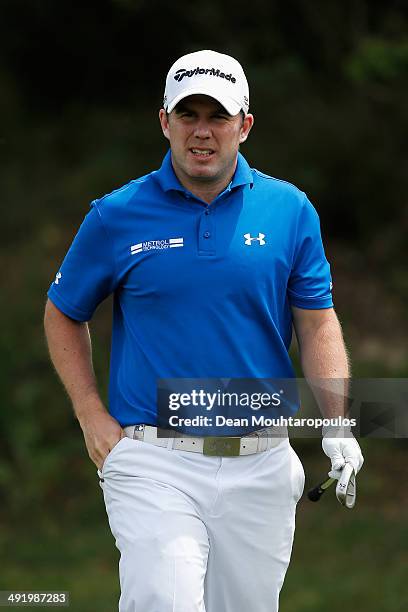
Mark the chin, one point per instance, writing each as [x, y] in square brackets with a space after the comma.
[202, 173]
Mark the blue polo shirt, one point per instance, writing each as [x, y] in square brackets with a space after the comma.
[200, 291]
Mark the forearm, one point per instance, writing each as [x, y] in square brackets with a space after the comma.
[325, 365]
[69, 345]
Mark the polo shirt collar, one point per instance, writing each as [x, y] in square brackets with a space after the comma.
[168, 180]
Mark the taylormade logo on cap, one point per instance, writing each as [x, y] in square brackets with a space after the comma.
[208, 73]
[180, 74]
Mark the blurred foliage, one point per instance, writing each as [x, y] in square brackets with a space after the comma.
[379, 61]
[80, 87]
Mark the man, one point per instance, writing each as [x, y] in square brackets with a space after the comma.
[209, 262]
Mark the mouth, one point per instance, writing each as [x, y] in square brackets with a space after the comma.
[202, 153]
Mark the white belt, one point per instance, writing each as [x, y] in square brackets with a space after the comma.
[218, 446]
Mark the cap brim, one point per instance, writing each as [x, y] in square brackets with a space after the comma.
[231, 106]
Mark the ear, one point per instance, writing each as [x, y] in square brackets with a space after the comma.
[246, 126]
[164, 122]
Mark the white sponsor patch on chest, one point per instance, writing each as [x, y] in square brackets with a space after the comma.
[157, 245]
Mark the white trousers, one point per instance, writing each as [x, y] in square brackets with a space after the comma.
[198, 533]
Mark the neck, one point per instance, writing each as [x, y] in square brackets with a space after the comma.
[206, 192]
[206, 189]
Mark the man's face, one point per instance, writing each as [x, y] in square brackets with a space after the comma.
[204, 139]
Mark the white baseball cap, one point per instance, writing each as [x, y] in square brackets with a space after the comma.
[212, 74]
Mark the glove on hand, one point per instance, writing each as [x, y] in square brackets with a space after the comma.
[341, 447]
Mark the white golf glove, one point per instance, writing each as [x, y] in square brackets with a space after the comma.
[341, 447]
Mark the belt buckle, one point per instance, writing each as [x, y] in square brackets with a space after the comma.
[219, 446]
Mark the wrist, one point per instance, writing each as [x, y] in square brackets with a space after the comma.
[337, 429]
[88, 407]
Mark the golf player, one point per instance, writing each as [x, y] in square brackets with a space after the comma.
[210, 262]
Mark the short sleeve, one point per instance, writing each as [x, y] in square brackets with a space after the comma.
[310, 281]
[87, 274]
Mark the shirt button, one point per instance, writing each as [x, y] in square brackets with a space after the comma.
[206, 234]
[207, 212]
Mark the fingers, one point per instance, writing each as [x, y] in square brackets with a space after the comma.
[98, 459]
[101, 436]
[101, 458]
[342, 451]
[334, 474]
[338, 463]
[108, 451]
[98, 452]
[337, 459]
[355, 460]
[353, 455]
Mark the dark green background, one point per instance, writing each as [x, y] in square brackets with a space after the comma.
[80, 88]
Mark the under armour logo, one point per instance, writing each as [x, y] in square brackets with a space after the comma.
[249, 239]
[57, 277]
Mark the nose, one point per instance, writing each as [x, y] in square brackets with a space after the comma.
[202, 130]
